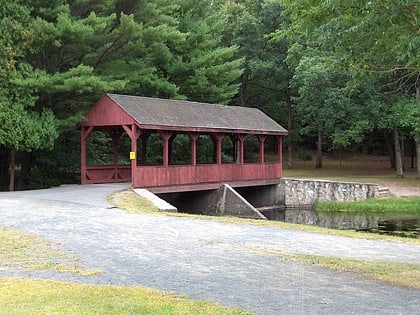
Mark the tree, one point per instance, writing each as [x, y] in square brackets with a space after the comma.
[22, 126]
[358, 33]
[205, 68]
[81, 49]
[265, 80]
[322, 104]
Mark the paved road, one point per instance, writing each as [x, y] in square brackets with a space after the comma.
[203, 258]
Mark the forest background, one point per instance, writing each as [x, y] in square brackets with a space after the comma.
[339, 75]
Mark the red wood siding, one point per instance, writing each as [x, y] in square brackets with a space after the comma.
[107, 113]
[107, 174]
[156, 176]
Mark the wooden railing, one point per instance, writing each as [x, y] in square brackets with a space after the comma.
[157, 176]
[96, 174]
[182, 175]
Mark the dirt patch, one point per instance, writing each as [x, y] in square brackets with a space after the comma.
[403, 191]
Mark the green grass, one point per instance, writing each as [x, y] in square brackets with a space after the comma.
[30, 252]
[23, 296]
[389, 206]
[132, 202]
[407, 275]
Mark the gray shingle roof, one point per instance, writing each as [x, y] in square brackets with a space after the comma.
[185, 114]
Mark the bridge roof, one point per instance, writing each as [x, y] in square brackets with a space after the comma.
[186, 115]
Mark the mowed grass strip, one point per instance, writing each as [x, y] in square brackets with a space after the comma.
[407, 275]
[389, 206]
[24, 296]
[402, 274]
[30, 252]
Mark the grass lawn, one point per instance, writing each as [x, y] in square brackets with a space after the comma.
[354, 168]
[24, 296]
[389, 206]
[30, 252]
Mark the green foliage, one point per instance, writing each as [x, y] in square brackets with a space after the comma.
[22, 127]
[181, 149]
[206, 69]
[375, 44]
[265, 81]
[58, 57]
[205, 150]
[26, 131]
[41, 177]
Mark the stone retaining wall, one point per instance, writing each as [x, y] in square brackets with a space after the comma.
[300, 192]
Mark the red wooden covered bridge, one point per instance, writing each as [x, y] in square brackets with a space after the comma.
[240, 146]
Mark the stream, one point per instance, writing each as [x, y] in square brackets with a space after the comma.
[404, 225]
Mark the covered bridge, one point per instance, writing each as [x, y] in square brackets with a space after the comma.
[179, 145]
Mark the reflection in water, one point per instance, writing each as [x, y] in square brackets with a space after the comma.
[407, 226]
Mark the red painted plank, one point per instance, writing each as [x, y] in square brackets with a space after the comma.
[155, 176]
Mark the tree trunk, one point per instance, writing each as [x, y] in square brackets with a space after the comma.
[242, 88]
[398, 158]
[4, 166]
[289, 128]
[26, 162]
[389, 148]
[318, 163]
[402, 146]
[417, 135]
[417, 138]
[12, 167]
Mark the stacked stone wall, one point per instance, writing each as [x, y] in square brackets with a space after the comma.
[304, 192]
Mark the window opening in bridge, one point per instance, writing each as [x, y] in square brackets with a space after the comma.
[154, 149]
[228, 150]
[124, 148]
[180, 149]
[251, 149]
[271, 149]
[99, 149]
[205, 150]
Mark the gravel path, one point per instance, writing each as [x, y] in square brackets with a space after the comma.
[205, 259]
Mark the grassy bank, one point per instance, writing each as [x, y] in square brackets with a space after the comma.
[30, 252]
[407, 275]
[389, 206]
[24, 296]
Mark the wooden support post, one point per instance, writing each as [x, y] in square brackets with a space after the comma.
[115, 135]
[134, 133]
[262, 138]
[193, 138]
[280, 148]
[239, 148]
[84, 134]
[165, 135]
[217, 139]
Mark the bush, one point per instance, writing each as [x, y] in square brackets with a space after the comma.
[43, 178]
